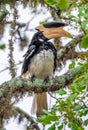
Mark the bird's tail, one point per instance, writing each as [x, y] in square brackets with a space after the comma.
[39, 103]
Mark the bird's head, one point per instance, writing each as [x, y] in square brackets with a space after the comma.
[53, 30]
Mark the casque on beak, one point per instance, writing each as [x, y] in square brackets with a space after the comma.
[53, 30]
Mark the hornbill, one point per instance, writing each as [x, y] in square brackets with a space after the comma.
[40, 59]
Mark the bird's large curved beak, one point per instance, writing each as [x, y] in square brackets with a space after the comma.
[56, 32]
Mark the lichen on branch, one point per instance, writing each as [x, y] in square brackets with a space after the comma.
[17, 87]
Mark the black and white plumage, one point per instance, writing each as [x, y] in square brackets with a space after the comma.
[40, 59]
[39, 62]
[39, 53]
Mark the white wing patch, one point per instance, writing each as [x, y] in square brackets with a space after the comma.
[30, 53]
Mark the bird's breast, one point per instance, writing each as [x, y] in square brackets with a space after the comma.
[42, 64]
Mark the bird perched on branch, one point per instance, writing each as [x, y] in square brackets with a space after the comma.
[40, 59]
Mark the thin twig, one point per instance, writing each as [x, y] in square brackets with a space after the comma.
[52, 95]
[34, 124]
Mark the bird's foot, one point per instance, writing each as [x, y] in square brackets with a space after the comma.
[32, 78]
[46, 80]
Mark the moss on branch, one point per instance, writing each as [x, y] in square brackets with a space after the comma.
[3, 13]
[17, 87]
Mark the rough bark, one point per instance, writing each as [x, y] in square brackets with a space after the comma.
[16, 87]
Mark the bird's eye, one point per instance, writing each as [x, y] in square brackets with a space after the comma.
[40, 39]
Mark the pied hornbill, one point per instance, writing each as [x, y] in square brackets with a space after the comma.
[40, 59]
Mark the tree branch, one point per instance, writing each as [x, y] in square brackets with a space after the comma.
[23, 114]
[17, 87]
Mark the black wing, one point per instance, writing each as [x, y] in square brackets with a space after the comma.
[33, 46]
[30, 52]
